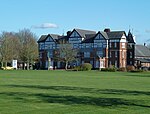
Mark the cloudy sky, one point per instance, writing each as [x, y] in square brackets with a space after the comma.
[58, 16]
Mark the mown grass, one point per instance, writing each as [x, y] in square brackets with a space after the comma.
[69, 92]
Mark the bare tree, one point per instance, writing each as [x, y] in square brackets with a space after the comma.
[66, 54]
[29, 49]
[9, 45]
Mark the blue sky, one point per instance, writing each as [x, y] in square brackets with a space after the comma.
[58, 16]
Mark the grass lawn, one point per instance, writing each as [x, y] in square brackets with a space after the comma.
[68, 92]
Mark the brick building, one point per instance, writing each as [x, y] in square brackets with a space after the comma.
[101, 49]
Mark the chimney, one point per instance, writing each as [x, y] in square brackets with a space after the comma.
[107, 30]
[68, 33]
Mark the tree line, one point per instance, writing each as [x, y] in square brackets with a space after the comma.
[21, 46]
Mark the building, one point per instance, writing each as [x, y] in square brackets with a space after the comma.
[142, 56]
[101, 49]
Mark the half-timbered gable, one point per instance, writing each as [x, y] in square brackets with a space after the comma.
[75, 37]
[100, 40]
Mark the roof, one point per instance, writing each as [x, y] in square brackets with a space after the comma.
[42, 38]
[89, 38]
[104, 34]
[115, 34]
[142, 51]
[54, 36]
[143, 60]
[62, 38]
[130, 38]
[82, 32]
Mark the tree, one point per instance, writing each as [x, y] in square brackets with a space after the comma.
[9, 45]
[66, 54]
[28, 52]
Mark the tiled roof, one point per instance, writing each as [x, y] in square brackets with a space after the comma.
[54, 36]
[142, 51]
[62, 38]
[89, 38]
[104, 34]
[42, 38]
[143, 60]
[84, 32]
[115, 34]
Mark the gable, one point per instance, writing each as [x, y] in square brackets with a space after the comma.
[75, 37]
[49, 39]
[99, 37]
[123, 38]
[75, 34]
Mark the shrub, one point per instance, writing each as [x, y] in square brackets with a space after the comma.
[136, 71]
[130, 68]
[122, 69]
[77, 68]
[108, 69]
[86, 67]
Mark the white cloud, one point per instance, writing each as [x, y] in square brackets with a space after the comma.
[45, 26]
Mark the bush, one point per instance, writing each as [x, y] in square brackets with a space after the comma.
[83, 67]
[86, 67]
[136, 71]
[130, 68]
[77, 68]
[122, 69]
[108, 69]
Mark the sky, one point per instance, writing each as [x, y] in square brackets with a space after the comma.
[60, 16]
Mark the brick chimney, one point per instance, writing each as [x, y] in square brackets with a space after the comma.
[68, 33]
[107, 30]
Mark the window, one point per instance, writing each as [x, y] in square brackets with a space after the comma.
[122, 54]
[86, 54]
[100, 53]
[123, 45]
[110, 53]
[110, 45]
[130, 62]
[41, 45]
[110, 63]
[75, 45]
[116, 54]
[115, 44]
[95, 45]
[130, 54]
[99, 44]
[115, 63]
[40, 55]
[50, 54]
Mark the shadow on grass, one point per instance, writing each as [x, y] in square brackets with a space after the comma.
[71, 100]
[142, 74]
[83, 90]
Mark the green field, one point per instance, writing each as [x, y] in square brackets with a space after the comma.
[69, 92]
